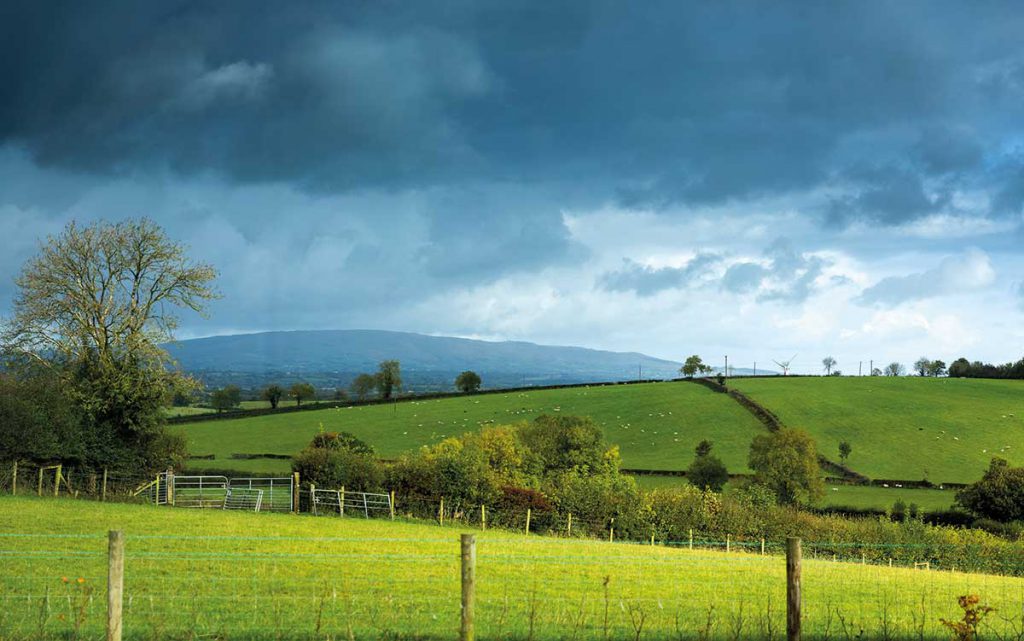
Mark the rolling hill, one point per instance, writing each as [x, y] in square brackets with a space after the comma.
[333, 357]
[655, 425]
[945, 429]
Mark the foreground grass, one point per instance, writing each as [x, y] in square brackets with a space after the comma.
[903, 428]
[655, 425]
[211, 574]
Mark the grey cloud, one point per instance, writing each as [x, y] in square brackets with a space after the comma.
[889, 195]
[788, 277]
[648, 281]
[743, 277]
[954, 274]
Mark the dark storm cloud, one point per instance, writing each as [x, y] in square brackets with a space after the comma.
[648, 281]
[679, 102]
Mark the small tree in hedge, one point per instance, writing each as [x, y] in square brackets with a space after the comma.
[363, 385]
[302, 391]
[786, 461]
[468, 381]
[273, 394]
[707, 471]
[999, 495]
[226, 398]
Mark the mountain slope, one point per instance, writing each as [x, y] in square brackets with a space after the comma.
[345, 351]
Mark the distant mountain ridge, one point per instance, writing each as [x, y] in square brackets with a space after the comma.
[344, 352]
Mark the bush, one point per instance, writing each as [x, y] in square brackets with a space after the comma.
[337, 468]
[340, 441]
[786, 461]
[999, 495]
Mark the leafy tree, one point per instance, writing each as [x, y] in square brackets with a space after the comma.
[694, 366]
[828, 363]
[340, 395]
[226, 398]
[999, 495]
[468, 381]
[961, 367]
[302, 391]
[895, 369]
[786, 462]
[703, 448]
[363, 385]
[921, 366]
[844, 451]
[389, 378]
[707, 471]
[93, 308]
[569, 442]
[876, 372]
[936, 368]
[273, 394]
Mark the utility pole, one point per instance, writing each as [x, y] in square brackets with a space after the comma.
[727, 366]
[755, 368]
[860, 367]
[871, 367]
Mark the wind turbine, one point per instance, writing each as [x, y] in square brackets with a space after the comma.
[785, 365]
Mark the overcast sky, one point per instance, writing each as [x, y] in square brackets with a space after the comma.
[751, 179]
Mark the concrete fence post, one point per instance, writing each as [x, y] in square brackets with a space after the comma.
[115, 584]
[466, 632]
[793, 561]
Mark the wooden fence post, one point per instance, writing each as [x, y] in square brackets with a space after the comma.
[169, 479]
[156, 491]
[115, 584]
[793, 559]
[295, 492]
[341, 501]
[611, 531]
[466, 632]
[691, 538]
[762, 546]
[56, 480]
[103, 492]
[312, 498]
[728, 542]
[440, 512]
[568, 531]
[483, 517]
[391, 504]
[39, 490]
[527, 520]
[14, 480]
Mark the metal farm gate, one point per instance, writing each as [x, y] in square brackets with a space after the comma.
[198, 491]
[278, 493]
[362, 504]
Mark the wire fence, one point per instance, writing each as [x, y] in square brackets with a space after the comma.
[283, 587]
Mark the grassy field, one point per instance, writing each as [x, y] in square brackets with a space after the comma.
[856, 496]
[903, 428]
[209, 574]
[656, 425]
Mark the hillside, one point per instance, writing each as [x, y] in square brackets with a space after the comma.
[903, 428]
[656, 425]
[426, 360]
[287, 577]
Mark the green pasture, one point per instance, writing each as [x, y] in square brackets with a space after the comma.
[943, 429]
[193, 574]
[655, 425]
[245, 405]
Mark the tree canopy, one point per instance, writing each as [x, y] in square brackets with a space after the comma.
[389, 378]
[786, 462]
[93, 308]
[468, 381]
